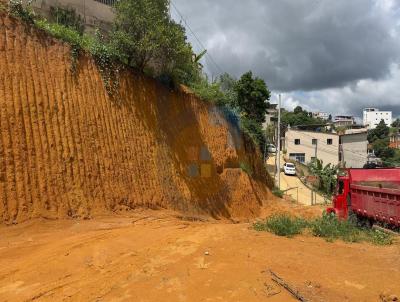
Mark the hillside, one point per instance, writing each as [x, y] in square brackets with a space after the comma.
[68, 149]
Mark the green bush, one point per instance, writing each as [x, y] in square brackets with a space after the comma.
[277, 192]
[328, 227]
[67, 17]
[18, 10]
[282, 225]
[246, 168]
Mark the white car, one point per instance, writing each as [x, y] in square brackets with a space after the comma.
[289, 169]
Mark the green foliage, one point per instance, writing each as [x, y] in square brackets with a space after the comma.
[379, 139]
[282, 225]
[252, 97]
[209, 91]
[326, 174]
[277, 192]
[148, 39]
[298, 117]
[67, 17]
[331, 228]
[380, 132]
[253, 130]
[327, 226]
[246, 168]
[18, 10]
[396, 123]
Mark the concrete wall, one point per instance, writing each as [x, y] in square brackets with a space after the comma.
[94, 14]
[327, 153]
[354, 150]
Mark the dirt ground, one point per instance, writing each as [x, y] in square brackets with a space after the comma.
[162, 256]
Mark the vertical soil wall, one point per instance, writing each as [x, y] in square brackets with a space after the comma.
[69, 150]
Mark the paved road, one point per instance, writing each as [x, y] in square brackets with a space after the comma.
[287, 182]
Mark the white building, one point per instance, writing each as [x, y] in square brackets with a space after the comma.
[349, 149]
[321, 115]
[373, 116]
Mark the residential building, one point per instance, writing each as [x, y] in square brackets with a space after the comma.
[353, 148]
[94, 13]
[271, 116]
[373, 116]
[348, 149]
[344, 120]
[321, 115]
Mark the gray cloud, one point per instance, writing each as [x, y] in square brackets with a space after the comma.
[319, 47]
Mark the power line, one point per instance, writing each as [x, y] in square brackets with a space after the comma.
[196, 37]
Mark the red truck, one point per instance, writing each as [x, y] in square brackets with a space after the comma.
[373, 195]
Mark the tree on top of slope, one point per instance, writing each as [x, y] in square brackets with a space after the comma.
[147, 38]
[252, 97]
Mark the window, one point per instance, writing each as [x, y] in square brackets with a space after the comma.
[341, 187]
[329, 141]
[297, 141]
[299, 157]
[314, 141]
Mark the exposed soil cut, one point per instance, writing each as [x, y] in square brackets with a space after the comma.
[68, 149]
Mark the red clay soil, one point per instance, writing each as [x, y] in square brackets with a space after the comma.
[154, 256]
[68, 149]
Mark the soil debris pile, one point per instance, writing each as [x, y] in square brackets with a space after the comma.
[68, 149]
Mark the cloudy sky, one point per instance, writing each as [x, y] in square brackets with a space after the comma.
[337, 56]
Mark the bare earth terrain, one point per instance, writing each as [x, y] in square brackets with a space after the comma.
[160, 256]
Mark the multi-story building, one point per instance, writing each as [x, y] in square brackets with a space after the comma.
[344, 120]
[271, 116]
[348, 149]
[373, 116]
[321, 115]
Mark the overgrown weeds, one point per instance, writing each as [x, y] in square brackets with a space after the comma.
[328, 226]
[282, 225]
[277, 192]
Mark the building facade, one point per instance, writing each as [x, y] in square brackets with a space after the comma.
[321, 115]
[373, 116]
[349, 149]
[94, 13]
[344, 120]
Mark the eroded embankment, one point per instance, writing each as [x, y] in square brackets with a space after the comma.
[69, 150]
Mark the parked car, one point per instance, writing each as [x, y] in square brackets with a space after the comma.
[271, 148]
[289, 169]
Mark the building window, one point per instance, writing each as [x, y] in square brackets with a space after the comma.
[329, 141]
[314, 141]
[299, 157]
[297, 141]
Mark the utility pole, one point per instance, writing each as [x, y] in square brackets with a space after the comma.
[316, 148]
[278, 152]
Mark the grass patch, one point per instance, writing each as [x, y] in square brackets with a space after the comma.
[282, 225]
[246, 168]
[327, 226]
[277, 192]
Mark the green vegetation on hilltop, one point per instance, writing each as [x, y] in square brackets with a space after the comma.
[379, 138]
[299, 117]
[144, 37]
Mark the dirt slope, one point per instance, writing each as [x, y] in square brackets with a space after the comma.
[153, 256]
[68, 149]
